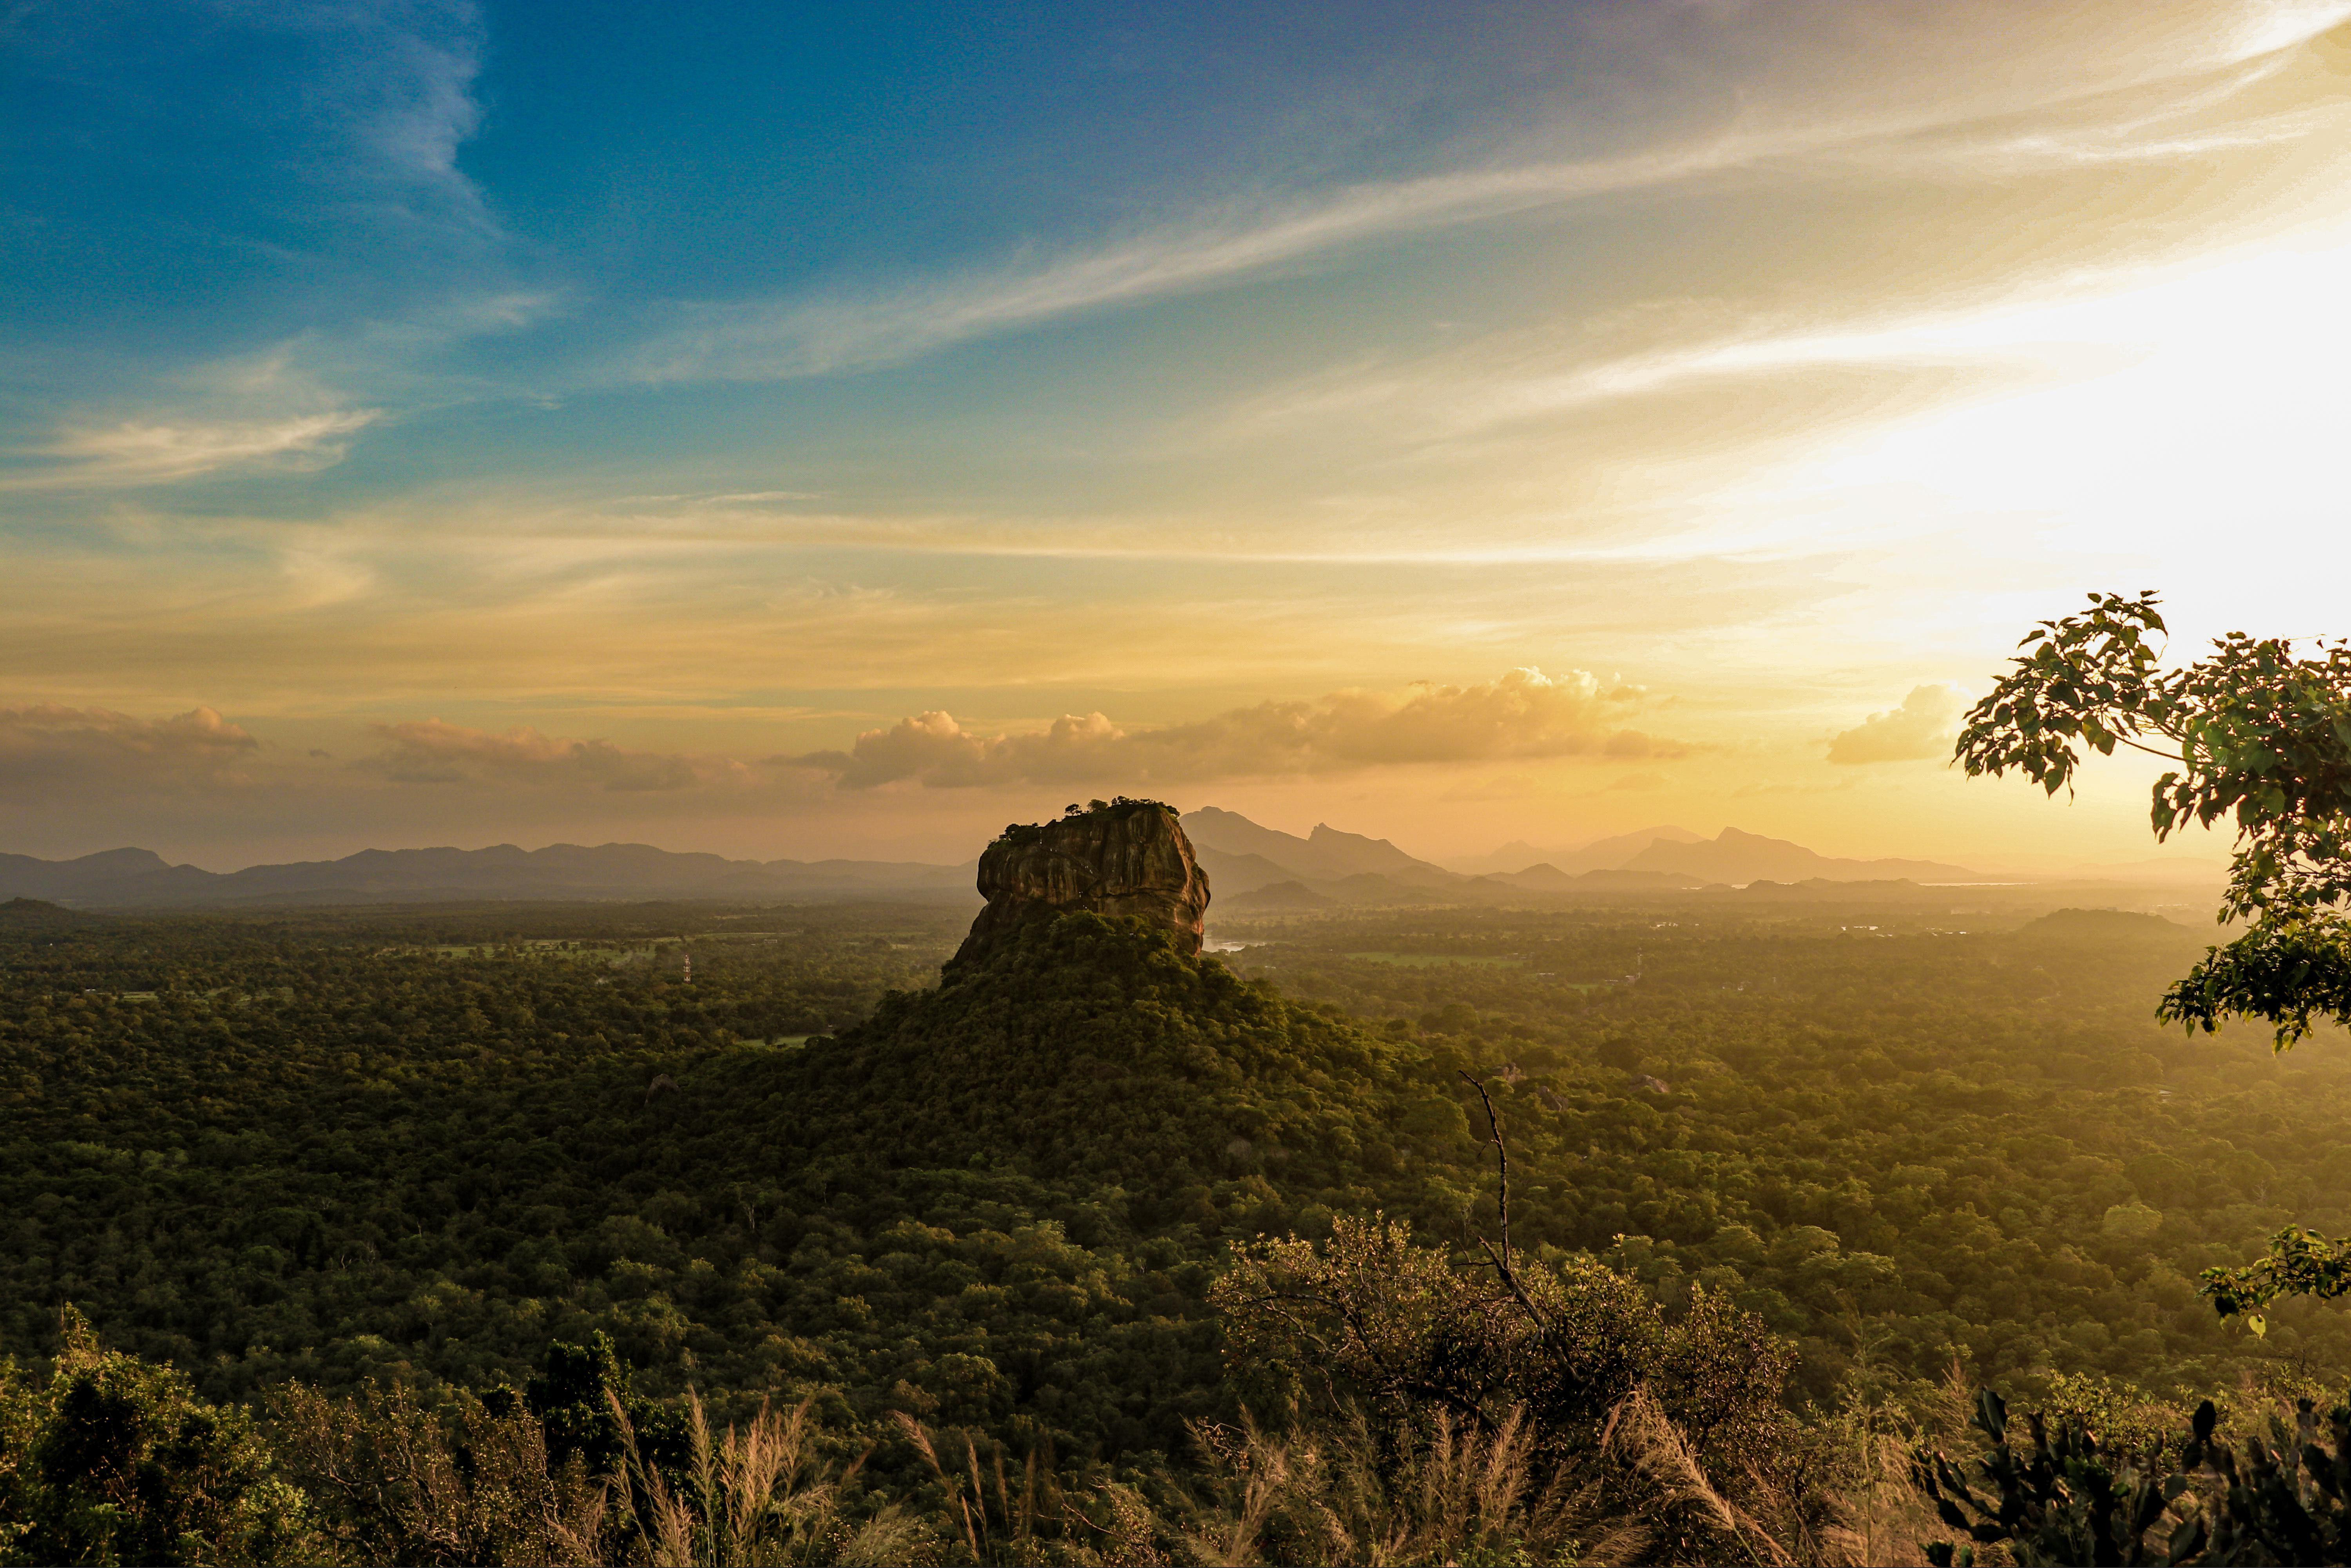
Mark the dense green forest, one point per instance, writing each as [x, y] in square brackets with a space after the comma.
[348, 1151]
[1885, 1134]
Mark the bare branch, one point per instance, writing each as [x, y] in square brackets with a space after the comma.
[1501, 1260]
[1502, 1152]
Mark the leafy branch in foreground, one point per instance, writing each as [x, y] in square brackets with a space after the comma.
[2261, 738]
[2299, 1263]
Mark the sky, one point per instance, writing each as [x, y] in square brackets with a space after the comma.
[807, 430]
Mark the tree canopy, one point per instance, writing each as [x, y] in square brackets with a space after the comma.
[2260, 735]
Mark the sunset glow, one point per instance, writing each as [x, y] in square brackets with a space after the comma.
[824, 432]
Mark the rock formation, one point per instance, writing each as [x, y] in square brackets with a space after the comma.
[1126, 858]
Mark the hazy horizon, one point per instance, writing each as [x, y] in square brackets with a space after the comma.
[824, 433]
[2169, 865]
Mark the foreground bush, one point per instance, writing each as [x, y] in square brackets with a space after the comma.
[1440, 1410]
[390, 1480]
[113, 1459]
[1450, 1426]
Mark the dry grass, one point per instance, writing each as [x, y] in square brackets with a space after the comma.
[1887, 1517]
[1656, 1457]
[1339, 1494]
[749, 1499]
[1343, 1488]
[1343, 1493]
[999, 1523]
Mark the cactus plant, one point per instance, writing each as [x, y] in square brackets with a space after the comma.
[2197, 1500]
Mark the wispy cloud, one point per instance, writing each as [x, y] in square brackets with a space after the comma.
[2203, 115]
[425, 108]
[391, 98]
[319, 141]
[428, 751]
[2073, 322]
[764, 339]
[275, 411]
[1525, 715]
[162, 451]
[2273, 25]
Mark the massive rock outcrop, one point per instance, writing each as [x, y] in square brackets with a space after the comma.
[1128, 858]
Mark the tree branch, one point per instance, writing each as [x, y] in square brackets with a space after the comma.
[1501, 1260]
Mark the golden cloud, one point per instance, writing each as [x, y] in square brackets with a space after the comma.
[48, 746]
[1525, 715]
[1921, 727]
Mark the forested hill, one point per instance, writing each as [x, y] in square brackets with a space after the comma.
[27, 915]
[1005, 1198]
[1000, 1200]
[1090, 1055]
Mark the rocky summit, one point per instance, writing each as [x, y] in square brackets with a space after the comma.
[1120, 858]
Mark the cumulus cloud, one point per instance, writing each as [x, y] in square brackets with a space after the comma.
[428, 751]
[47, 747]
[1526, 715]
[1920, 728]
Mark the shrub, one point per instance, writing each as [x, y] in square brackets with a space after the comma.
[117, 1461]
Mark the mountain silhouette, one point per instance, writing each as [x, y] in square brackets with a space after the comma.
[132, 878]
[1327, 855]
[1601, 855]
[1241, 857]
[1739, 858]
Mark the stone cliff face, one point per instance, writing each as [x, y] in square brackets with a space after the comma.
[1129, 859]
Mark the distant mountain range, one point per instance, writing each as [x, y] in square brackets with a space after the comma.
[1249, 866]
[1604, 854]
[1731, 856]
[1236, 850]
[1735, 857]
[1266, 868]
[142, 879]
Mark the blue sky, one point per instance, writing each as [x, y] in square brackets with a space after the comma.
[190, 182]
[725, 383]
